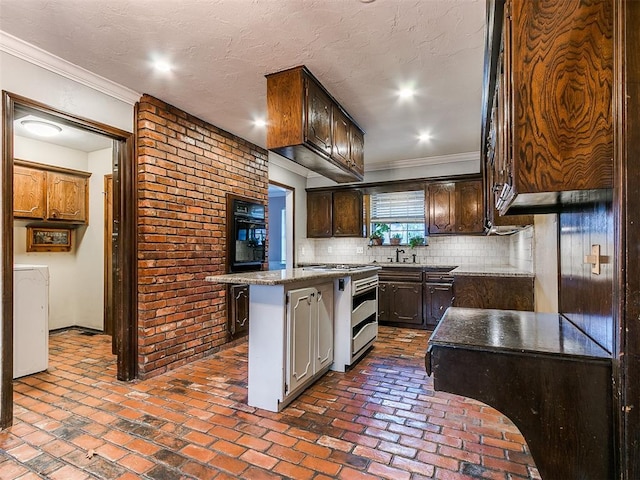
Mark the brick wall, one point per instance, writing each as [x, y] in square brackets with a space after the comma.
[185, 168]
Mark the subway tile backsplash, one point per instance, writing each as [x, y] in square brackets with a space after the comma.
[514, 250]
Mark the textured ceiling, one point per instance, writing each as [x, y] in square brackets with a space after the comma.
[361, 51]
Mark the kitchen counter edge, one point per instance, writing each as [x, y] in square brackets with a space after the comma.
[280, 277]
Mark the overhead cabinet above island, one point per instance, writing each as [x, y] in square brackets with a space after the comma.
[306, 125]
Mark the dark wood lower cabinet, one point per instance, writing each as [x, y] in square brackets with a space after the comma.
[400, 304]
[437, 298]
[501, 292]
[238, 319]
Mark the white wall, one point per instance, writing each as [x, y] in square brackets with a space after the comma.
[75, 277]
[31, 73]
[287, 176]
[545, 241]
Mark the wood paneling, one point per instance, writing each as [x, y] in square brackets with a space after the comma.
[319, 214]
[586, 298]
[505, 293]
[562, 75]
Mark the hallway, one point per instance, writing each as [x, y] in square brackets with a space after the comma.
[380, 420]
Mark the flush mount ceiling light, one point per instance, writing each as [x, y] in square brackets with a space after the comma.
[406, 92]
[40, 128]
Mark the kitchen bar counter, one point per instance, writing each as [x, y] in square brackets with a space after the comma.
[541, 371]
[286, 276]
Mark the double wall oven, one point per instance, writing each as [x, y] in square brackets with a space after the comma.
[246, 251]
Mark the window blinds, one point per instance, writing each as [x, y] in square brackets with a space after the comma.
[398, 207]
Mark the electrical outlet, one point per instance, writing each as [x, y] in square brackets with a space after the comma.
[359, 249]
[329, 249]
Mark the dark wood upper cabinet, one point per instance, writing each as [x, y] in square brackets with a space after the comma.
[308, 126]
[469, 207]
[455, 207]
[334, 214]
[347, 213]
[442, 207]
[548, 126]
[319, 214]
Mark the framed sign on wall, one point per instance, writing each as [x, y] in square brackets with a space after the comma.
[40, 239]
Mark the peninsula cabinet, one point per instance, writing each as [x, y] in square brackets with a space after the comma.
[308, 126]
[334, 213]
[548, 128]
[238, 308]
[309, 335]
[50, 194]
[498, 292]
[455, 207]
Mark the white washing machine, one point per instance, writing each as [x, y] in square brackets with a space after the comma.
[30, 319]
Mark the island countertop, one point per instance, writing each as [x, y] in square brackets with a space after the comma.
[289, 275]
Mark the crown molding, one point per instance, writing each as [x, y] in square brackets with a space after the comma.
[37, 56]
[424, 161]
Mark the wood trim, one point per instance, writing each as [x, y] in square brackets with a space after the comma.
[398, 185]
[108, 258]
[50, 168]
[6, 385]
[127, 302]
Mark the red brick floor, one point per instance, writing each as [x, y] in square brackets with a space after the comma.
[380, 420]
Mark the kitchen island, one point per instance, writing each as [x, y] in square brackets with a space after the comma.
[303, 323]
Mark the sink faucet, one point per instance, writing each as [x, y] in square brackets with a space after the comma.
[398, 252]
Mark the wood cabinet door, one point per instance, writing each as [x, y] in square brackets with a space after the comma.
[29, 190]
[66, 197]
[318, 118]
[238, 311]
[384, 301]
[356, 150]
[319, 214]
[469, 207]
[341, 125]
[324, 329]
[302, 318]
[437, 298]
[442, 211]
[406, 303]
[347, 213]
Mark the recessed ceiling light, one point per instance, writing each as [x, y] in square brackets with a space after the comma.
[406, 92]
[162, 66]
[260, 122]
[424, 137]
[40, 128]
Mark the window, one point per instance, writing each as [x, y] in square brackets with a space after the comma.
[402, 212]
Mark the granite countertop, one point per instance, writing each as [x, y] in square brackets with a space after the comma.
[290, 275]
[513, 331]
[462, 270]
[491, 271]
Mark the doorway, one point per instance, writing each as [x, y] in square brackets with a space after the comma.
[281, 226]
[124, 280]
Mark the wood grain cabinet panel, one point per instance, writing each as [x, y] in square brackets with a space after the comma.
[502, 293]
[437, 298]
[51, 194]
[456, 207]
[319, 214]
[238, 322]
[29, 193]
[548, 112]
[308, 126]
[347, 213]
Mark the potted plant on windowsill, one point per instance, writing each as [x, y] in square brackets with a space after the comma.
[376, 235]
[395, 239]
[415, 241]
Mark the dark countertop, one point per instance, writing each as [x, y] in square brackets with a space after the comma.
[514, 331]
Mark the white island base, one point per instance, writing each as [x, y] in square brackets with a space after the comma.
[298, 330]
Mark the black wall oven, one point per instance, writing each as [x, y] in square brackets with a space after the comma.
[248, 235]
